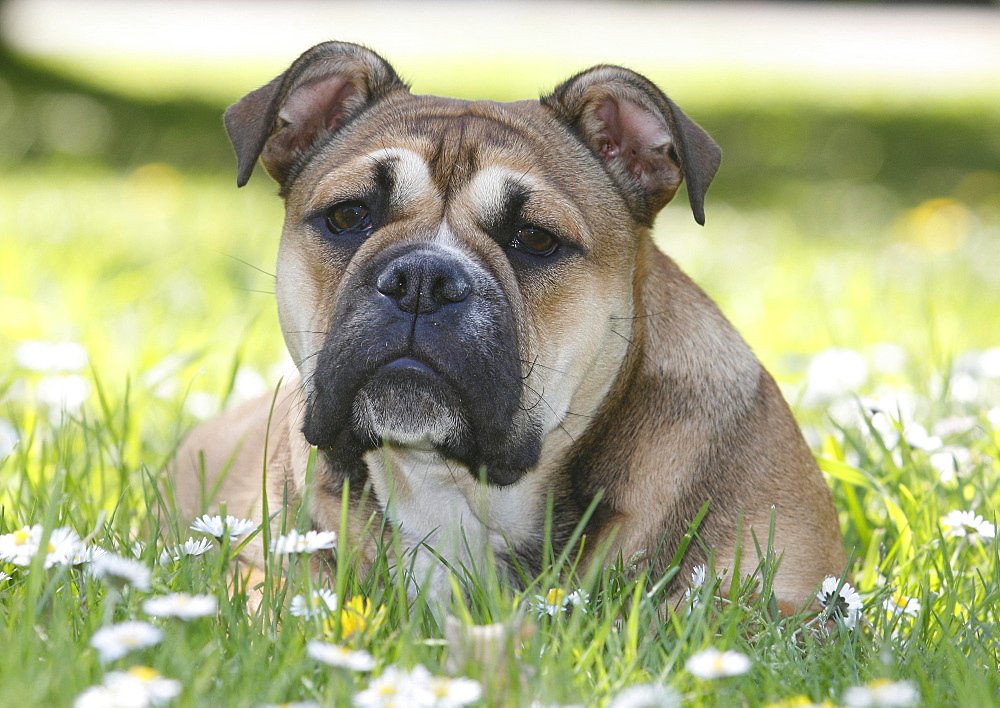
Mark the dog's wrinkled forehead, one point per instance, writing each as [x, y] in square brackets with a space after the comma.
[431, 154]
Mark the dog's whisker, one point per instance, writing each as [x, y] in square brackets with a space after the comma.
[250, 265]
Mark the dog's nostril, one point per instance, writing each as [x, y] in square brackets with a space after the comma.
[392, 282]
[447, 289]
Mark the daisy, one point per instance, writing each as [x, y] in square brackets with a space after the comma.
[340, 656]
[712, 663]
[116, 641]
[552, 603]
[137, 687]
[19, 547]
[882, 693]
[691, 596]
[181, 605]
[845, 605]
[190, 547]
[51, 357]
[397, 687]
[646, 695]
[320, 603]
[967, 525]
[309, 542]
[118, 571]
[452, 692]
[902, 605]
[579, 598]
[88, 554]
[219, 527]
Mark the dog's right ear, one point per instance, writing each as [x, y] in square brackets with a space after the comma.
[322, 91]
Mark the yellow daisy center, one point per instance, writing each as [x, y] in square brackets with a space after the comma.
[555, 596]
[21, 537]
[144, 673]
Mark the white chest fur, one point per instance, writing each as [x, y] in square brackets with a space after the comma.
[437, 504]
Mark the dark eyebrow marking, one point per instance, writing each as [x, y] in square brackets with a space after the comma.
[385, 177]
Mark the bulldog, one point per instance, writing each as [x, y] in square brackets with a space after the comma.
[492, 353]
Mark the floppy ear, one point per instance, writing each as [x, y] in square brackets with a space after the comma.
[319, 94]
[643, 139]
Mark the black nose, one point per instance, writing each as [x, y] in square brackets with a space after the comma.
[421, 282]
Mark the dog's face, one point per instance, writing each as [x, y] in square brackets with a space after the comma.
[460, 276]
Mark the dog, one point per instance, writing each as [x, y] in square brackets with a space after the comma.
[489, 345]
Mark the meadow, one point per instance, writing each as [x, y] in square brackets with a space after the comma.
[854, 240]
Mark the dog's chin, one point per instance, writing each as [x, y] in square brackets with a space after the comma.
[410, 410]
[407, 403]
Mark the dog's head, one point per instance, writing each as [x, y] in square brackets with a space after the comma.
[460, 275]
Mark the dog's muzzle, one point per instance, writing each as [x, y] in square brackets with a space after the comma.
[423, 352]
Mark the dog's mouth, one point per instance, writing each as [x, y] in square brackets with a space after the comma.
[406, 402]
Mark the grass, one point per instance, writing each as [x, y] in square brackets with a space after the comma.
[136, 245]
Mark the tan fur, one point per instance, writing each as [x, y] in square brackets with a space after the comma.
[640, 389]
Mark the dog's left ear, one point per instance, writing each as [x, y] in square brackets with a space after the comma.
[643, 139]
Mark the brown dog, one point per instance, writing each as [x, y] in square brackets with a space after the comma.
[484, 330]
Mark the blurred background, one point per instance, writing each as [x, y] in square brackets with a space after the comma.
[853, 231]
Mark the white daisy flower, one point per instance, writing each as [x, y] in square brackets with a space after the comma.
[181, 605]
[308, 542]
[88, 554]
[62, 393]
[3, 576]
[117, 640]
[219, 527]
[453, 692]
[118, 571]
[397, 687]
[191, 547]
[139, 686]
[19, 547]
[949, 461]
[340, 656]
[882, 693]
[902, 605]
[646, 695]
[551, 603]
[579, 599]
[845, 605]
[968, 525]
[51, 357]
[320, 604]
[916, 436]
[691, 596]
[698, 576]
[712, 663]
[832, 374]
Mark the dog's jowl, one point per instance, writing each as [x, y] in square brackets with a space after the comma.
[486, 334]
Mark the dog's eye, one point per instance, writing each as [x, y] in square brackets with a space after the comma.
[349, 217]
[536, 241]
